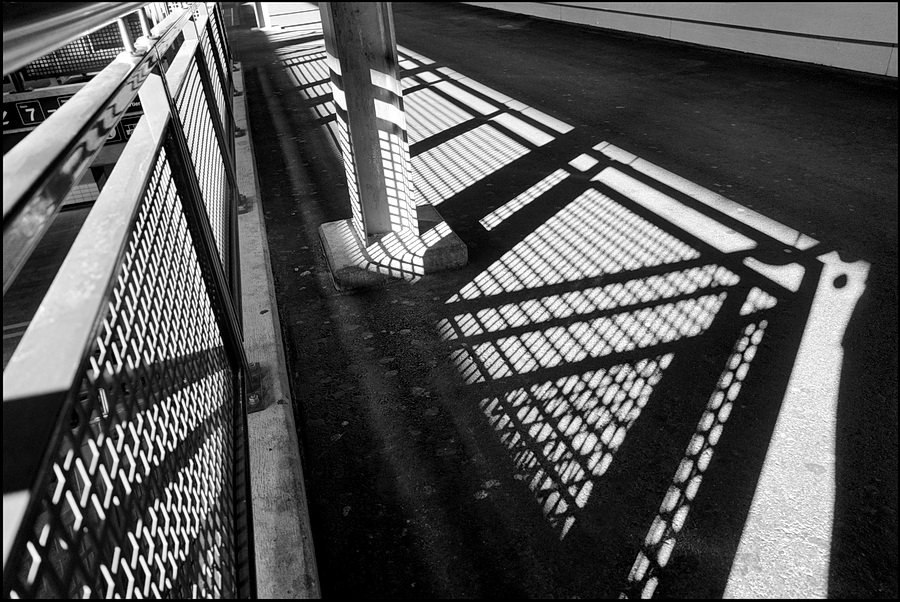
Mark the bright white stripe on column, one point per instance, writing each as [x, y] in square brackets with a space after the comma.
[340, 98]
[388, 112]
[333, 63]
[383, 80]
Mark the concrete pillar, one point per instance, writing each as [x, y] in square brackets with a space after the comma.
[362, 56]
[262, 14]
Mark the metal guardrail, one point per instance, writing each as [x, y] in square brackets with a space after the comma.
[30, 31]
[124, 405]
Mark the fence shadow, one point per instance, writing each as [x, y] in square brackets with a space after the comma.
[625, 337]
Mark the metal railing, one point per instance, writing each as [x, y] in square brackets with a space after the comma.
[124, 404]
[31, 32]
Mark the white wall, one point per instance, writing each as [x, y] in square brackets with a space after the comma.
[860, 36]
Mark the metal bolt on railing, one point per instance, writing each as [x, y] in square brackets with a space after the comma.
[244, 204]
[255, 391]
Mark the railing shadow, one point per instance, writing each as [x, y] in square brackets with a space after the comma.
[628, 336]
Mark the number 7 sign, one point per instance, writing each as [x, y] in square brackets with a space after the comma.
[30, 112]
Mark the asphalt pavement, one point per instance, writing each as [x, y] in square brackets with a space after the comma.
[670, 367]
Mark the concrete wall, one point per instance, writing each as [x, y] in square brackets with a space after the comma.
[860, 36]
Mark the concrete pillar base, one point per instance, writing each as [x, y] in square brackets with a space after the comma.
[397, 255]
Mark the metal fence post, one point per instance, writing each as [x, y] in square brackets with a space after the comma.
[262, 14]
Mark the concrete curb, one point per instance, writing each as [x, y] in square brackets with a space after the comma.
[341, 245]
[285, 557]
[396, 256]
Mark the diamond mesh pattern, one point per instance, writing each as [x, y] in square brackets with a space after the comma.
[217, 84]
[137, 500]
[87, 54]
[673, 512]
[217, 36]
[207, 157]
[564, 434]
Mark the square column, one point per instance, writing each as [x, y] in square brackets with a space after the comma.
[389, 235]
[362, 57]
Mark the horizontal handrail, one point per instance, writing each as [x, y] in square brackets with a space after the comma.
[34, 29]
[40, 170]
[136, 339]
